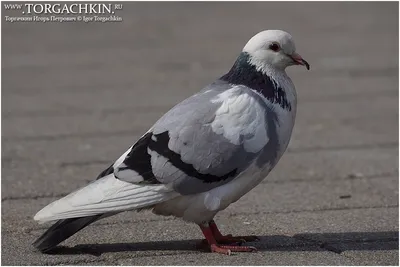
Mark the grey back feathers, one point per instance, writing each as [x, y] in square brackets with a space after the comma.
[183, 150]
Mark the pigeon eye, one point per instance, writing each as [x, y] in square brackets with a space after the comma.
[274, 47]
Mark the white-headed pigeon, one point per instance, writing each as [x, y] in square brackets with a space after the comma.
[202, 155]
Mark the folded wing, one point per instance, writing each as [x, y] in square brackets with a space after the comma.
[202, 143]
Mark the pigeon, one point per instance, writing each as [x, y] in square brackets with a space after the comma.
[201, 156]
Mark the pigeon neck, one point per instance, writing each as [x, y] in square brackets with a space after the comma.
[245, 73]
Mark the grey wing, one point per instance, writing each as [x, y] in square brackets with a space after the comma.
[184, 150]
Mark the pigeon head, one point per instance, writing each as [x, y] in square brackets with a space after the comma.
[273, 49]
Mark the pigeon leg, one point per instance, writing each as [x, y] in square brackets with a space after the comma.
[229, 239]
[222, 249]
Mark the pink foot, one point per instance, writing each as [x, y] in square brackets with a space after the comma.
[215, 240]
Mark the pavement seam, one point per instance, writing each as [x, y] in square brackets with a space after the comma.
[322, 179]
[72, 135]
[83, 163]
[100, 224]
[314, 210]
[383, 72]
[11, 198]
[99, 259]
[316, 179]
[74, 113]
[72, 262]
[95, 88]
[380, 145]
[130, 132]
[157, 109]
[121, 257]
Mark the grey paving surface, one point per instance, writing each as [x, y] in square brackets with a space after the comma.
[75, 96]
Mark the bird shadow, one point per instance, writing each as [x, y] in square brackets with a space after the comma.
[335, 242]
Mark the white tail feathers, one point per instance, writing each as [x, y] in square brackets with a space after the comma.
[103, 196]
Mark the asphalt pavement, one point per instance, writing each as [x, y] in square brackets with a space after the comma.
[75, 95]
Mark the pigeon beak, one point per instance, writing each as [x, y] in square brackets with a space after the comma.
[298, 60]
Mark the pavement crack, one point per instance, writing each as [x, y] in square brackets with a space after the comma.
[101, 224]
[328, 247]
[83, 163]
[316, 179]
[73, 262]
[322, 179]
[70, 136]
[344, 147]
[33, 197]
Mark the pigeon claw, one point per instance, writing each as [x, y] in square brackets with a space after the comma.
[240, 248]
[227, 250]
[224, 244]
[229, 239]
[221, 250]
